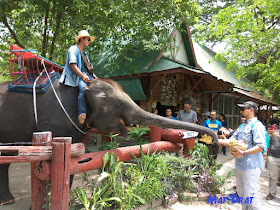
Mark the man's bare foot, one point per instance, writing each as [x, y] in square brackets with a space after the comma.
[82, 118]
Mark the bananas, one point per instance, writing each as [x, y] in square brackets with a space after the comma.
[233, 144]
[205, 138]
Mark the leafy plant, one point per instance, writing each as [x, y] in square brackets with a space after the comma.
[205, 170]
[137, 134]
[154, 175]
[104, 191]
[147, 177]
[179, 179]
[113, 144]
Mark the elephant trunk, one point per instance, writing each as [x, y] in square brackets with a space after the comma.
[142, 117]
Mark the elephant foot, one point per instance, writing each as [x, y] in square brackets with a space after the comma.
[6, 199]
[82, 117]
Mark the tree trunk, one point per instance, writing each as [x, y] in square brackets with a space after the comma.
[57, 26]
[5, 21]
[44, 44]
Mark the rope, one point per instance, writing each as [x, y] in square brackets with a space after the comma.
[34, 99]
[19, 198]
[60, 101]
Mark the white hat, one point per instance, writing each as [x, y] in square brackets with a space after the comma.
[206, 113]
[83, 33]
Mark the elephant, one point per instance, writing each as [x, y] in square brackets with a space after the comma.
[110, 109]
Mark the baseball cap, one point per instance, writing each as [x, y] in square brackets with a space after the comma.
[206, 113]
[249, 105]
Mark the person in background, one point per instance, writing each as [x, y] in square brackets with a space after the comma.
[168, 114]
[199, 117]
[214, 125]
[224, 133]
[274, 123]
[206, 115]
[175, 113]
[154, 111]
[243, 120]
[222, 119]
[186, 114]
[273, 158]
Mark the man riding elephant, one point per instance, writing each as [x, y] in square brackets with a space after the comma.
[76, 72]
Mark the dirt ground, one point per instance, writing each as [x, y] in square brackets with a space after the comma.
[21, 189]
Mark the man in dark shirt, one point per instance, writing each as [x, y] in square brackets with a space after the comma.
[224, 124]
[273, 161]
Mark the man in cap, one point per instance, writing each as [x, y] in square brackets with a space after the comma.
[75, 71]
[250, 162]
[206, 115]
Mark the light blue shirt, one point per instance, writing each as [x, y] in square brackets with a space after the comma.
[247, 133]
[73, 56]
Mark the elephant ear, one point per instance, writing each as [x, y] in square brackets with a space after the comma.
[97, 93]
[102, 85]
[101, 94]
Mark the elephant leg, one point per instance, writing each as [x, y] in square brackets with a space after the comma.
[5, 194]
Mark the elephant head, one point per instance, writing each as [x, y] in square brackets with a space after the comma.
[112, 109]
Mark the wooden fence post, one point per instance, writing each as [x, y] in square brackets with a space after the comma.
[61, 160]
[155, 133]
[39, 187]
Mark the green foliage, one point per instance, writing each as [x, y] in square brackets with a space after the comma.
[137, 134]
[205, 170]
[113, 144]
[154, 175]
[179, 179]
[106, 190]
[50, 26]
[108, 146]
[251, 31]
[148, 177]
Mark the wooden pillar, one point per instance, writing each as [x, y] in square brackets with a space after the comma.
[174, 136]
[155, 133]
[210, 102]
[60, 174]
[233, 113]
[39, 187]
[149, 105]
[266, 113]
[189, 145]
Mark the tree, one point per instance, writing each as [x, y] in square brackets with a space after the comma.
[251, 30]
[51, 25]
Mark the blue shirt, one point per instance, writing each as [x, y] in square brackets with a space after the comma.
[69, 77]
[252, 136]
[213, 125]
[172, 118]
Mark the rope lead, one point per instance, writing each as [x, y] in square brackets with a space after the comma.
[61, 105]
